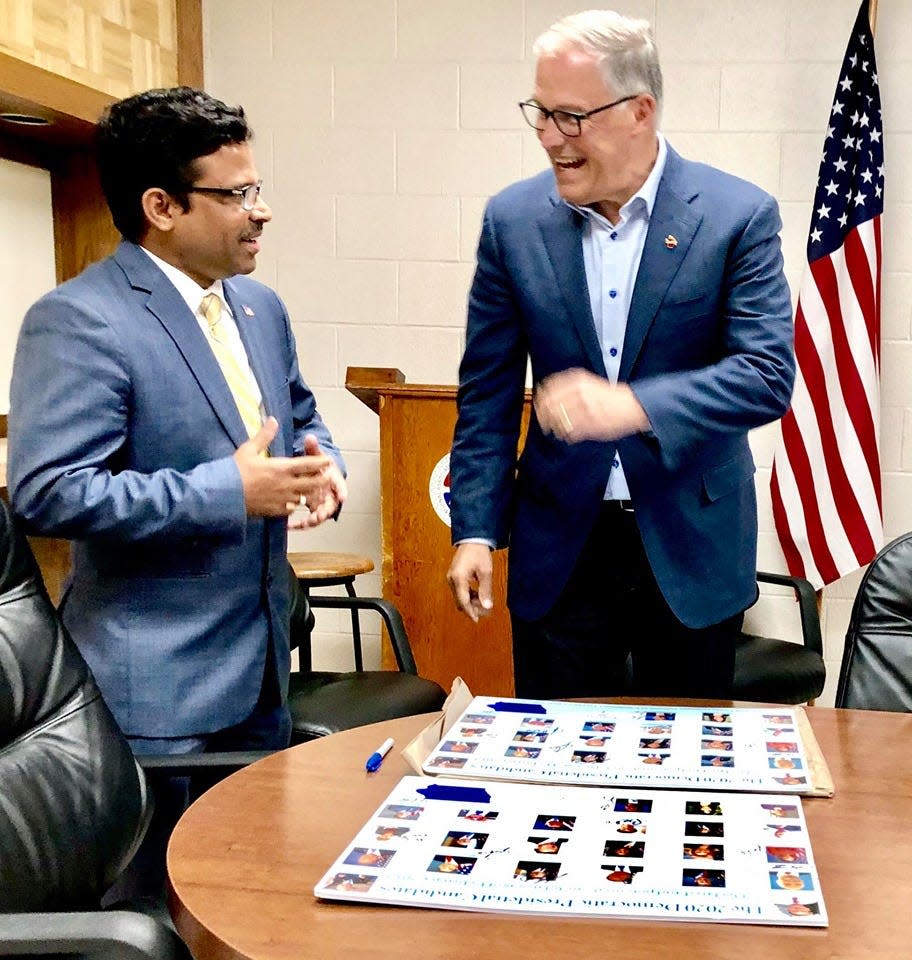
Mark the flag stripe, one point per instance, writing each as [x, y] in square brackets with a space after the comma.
[793, 557]
[860, 274]
[878, 266]
[830, 482]
[842, 309]
[864, 401]
[813, 546]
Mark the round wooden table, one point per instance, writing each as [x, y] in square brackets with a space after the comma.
[244, 859]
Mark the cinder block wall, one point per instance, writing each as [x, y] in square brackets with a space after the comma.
[383, 125]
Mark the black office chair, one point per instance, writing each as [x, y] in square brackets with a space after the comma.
[781, 671]
[325, 702]
[876, 669]
[74, 803]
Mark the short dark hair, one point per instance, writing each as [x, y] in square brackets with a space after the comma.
[153, 139]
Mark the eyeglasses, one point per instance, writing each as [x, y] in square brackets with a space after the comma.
[570, 124]
[248, 194]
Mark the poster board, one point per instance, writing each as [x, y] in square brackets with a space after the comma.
[603, 744]
[582, 851]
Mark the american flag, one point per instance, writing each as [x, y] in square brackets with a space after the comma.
[826, 471]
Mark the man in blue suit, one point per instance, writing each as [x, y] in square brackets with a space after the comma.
[647, 293]
[170, 448]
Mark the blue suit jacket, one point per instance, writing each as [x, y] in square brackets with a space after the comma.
[122, 435]
[707, 350]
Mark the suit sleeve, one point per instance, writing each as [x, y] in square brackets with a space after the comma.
[490, 401]
[750, 384]
[70, 409]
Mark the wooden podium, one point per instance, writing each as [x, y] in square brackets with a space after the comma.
[416, 430]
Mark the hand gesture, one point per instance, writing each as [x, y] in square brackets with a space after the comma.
[470, 577]
[277, 486]
[333, 494]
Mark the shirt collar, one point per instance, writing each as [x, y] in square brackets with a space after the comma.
[186, 286]
[647, 192]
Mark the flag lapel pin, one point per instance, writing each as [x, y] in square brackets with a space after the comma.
[671, 241]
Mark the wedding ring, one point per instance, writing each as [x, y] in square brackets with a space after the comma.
[302, 500]
[568, 423]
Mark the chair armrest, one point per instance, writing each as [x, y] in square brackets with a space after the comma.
[807, 606]
[102, 934]
[186, 764]
[391, 618]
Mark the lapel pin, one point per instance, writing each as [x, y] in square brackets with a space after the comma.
[671, 241]
[250, 313]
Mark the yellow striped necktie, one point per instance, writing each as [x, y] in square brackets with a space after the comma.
[237, 378]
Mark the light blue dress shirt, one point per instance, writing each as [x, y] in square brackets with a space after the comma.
[611, 254]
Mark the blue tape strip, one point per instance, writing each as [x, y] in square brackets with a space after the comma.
[517, 707]
[438, 791]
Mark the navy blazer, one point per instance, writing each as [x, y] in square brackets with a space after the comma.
[707, 351]
[122, 435]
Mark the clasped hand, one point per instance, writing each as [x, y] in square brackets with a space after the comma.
[578, 405]
[279, 486]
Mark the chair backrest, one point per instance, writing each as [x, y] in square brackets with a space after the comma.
[73, 802]
[302, 622]
[876, 671]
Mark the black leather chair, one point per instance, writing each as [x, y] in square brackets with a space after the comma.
[781, 671]
[876, 669]
[325, 702]
[73, 802]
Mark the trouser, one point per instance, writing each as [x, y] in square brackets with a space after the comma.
[611, 632]
[144, 881]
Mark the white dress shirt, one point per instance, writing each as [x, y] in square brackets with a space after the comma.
[193, 295]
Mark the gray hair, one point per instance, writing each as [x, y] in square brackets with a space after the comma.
[625, 48]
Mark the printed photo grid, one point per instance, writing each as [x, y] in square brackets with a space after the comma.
[611, 744]
[671, 855]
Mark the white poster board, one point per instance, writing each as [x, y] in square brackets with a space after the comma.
[583, 851]
[603, 744]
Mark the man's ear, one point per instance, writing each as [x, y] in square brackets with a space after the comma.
[644, 108]
[160, 209]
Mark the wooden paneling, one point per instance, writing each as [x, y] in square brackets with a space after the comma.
[117, 47]
[83, 229]
[71, 107]
[190, 43]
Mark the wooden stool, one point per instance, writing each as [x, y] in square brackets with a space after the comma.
[333, 570]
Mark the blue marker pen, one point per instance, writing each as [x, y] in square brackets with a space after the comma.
[376, 758]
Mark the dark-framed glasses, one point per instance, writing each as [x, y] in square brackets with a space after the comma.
[569, 123]
[248, 194]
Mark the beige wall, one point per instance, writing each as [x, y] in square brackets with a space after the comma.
[382, 126]
[26, 254]
[115, 46]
